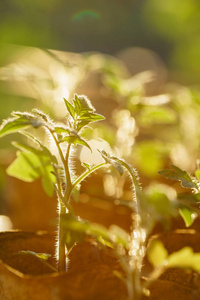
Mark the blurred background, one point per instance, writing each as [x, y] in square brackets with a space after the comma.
[138, 62]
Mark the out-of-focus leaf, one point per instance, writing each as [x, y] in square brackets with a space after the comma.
[177, 174]
[197, 174]
[188, 216]
[156, 115]
[162, 199]
[45, 150]
[149, 157]
[185, 258]
[25, 167]
[157, 254]
[29, 166]
[78, 228]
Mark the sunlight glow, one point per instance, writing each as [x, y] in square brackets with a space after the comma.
[5, 223]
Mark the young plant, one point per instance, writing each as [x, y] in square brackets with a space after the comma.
[53, 166]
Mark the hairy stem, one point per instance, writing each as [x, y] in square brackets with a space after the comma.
[61, 241]
[86, 174]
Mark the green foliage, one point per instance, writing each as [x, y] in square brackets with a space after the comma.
[187, 181]
[184, 258]
[77, 229]
[157, 254]
[19, 122]
[42, 256]
[81, 112]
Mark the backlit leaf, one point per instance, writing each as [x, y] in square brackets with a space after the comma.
[42, 256]
[185, 258]
[188, 215]
[70, 108]
[113, 161]
[92, 117]
[177, 174]
[13, 125]
[29, 166]
[157, 254]
[75, 139]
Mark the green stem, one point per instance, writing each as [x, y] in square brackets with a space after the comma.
[86, 174]
[61, 241]
[63, 204]
[67, 174]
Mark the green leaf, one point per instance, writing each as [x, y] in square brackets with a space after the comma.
[188, 216]
[87, 166]
[177, 174]
[79, 228]
[48, 180]
[29, 166]
[70, 108]
[113, 161]
[197, 174]
[162, 198]
[81, 124]
[82, 104]
[34, 139]
[13, 125]
[149, 157]
[91, 117]
[42, 256]
[76, 139]
[62, 129]
[43, 116]
[185, 258]
[157, 254]
[25, 167]
[157, 115]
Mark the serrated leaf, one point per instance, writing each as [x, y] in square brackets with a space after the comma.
[13, 125]
[76, 140]
[42, 115]
[70, 108]
[188, 216]
[91, 117]
[83, 104]
[157, 254]
[177, 174]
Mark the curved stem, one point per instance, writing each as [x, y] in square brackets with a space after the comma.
[86, 174]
